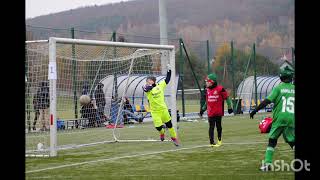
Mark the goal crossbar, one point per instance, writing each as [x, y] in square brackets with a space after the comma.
[109, 43]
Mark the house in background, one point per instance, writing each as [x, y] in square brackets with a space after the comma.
[286, 60]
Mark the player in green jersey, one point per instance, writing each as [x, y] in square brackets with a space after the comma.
[283, 115]
[158, 107]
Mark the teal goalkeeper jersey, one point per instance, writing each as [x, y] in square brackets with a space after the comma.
[283, 98]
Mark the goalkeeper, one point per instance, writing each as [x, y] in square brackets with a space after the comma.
[283, 115]
[158, 107]
[215, 97]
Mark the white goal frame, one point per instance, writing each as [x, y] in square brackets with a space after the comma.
[52, 77]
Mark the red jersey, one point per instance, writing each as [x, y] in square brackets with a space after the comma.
[215, 101]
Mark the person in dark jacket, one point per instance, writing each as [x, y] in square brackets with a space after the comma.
[41, 104]
[89, 112]
[100, 103]
[127, 111]
[85, 88]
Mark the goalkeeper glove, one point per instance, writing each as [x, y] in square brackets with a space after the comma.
[147, 88]
[201, 113]
[230, 110]
[252, 114]
[168, 67]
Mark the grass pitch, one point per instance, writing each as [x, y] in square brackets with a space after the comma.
[239, 157]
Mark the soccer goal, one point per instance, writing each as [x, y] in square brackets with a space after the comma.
[60, 70]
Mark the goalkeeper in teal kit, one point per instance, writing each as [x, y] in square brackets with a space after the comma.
[283, 115]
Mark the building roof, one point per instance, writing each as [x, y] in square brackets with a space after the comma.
[287, 56]
[286, 61]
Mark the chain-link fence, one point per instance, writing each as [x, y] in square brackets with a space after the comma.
[232, 62]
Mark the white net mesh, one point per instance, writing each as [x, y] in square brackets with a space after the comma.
[37, 99]
[110, 75]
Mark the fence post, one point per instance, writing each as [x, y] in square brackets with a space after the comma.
[293, 57]
[74, 78]
[115, 80]
[114, 36]
[255, 74]
[181, 75]
[208, 56]
[232, 71]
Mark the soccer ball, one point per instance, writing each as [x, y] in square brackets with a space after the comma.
[84, 100]
[40, 146]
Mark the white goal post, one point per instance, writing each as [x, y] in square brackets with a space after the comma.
[67, 64]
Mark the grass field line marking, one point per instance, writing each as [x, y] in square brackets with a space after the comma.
[68, 132]
[77, 131]
[131, 156]
[115, 158]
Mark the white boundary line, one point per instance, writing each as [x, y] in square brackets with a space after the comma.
[136, 155]
[73, 146]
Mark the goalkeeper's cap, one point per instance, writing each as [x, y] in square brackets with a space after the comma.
[153, 78]
[286, 73]
[211, 78]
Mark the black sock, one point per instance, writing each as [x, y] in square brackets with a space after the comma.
[219, 128]
[211, 130]
[211, 135]
[219, 136]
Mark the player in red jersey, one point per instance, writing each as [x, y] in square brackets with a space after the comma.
[215, 97]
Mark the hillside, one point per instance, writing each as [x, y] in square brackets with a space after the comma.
[269, 23]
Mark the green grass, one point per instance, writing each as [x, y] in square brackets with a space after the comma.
[192, 160]
[191, 105]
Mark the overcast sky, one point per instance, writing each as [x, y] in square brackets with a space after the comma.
[43, 7]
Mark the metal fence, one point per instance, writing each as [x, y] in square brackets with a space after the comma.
[232, 62]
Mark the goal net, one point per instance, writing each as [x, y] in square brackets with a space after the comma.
[60, 70]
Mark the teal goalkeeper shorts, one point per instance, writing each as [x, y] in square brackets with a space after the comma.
[286, 131]
[160, 117]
